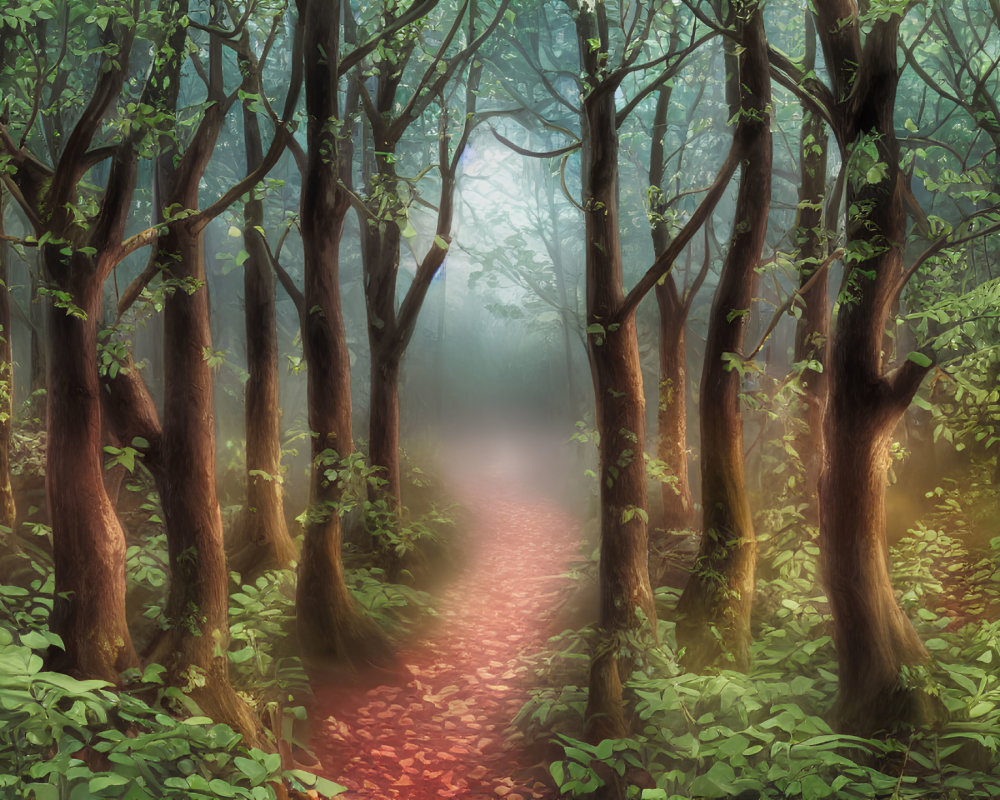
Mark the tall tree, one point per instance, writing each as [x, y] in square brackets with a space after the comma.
[391, 108]
[673, 302]
[613, 351]
[875, 641]
[813, 328]
[193, 645]
[330, 627]
[81, 239]
[260, 539]
[714, 624]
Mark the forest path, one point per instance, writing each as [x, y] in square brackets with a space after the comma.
[439, 731]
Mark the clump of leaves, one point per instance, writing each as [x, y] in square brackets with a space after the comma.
[726, 734]
[66, 739]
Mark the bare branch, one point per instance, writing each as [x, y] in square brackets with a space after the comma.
[781, 310]
[665, 261]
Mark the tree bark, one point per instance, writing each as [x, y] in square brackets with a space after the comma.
[671, 415]
[260, 540]
[719, 595]
[813, 330]
[620, 412]
[874, 639]
[8, 510]
[194, 647]
[380, 256]
[331, 629]
[88, 540]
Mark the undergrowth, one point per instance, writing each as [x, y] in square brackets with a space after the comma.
[66, 739]
[765, 734]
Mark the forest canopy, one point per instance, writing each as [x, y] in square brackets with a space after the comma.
[268, 267]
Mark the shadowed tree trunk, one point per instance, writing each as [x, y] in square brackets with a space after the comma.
[194, 647]
[331, 628]
[671, 412]
[8, 511]
[388, 117]
[714, 623]
[620, 413]
[88, 541]
[260, 539]
[36, 315]
[875, 641]
[813, 329]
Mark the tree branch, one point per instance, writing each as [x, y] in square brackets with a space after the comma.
[665, 261]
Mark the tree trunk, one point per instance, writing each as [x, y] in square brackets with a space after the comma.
[260, 539]
[671, 415]
[813, 329]
[8, 511]
[331, 629]
[88, 540]
[380, 252]
[874, 639]
[194, 647]
[621, 421]
[383, 426]
[36, 314]
[714, 610]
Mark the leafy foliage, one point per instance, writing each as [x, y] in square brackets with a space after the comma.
[765, 734]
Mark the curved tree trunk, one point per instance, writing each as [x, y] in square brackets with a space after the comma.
[874, 639]
[719, 595]
[260, 540]
[88, 540]
[621, 421]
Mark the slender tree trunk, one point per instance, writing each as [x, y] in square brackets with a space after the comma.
[381, 267]
[621, 424]
[719, 595]
[88, 540]
[813, 329]
[260, 540]
[383, 431]
[194, 647]
[36, 315]
[8, 511]
[331, 629]
[671, 414]
[671, 440]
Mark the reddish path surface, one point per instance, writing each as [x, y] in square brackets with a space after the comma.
[439, 732]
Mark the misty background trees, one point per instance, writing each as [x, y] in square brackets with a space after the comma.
[257, 230]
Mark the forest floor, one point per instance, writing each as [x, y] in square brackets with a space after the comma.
[439, 731]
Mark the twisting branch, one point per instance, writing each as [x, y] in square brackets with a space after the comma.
[665, 261]
[783, 309]
[943, 243]
[523, 151]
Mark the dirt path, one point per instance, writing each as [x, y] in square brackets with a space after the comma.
[439, 732]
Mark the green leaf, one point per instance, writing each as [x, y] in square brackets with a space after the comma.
[919, 359]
